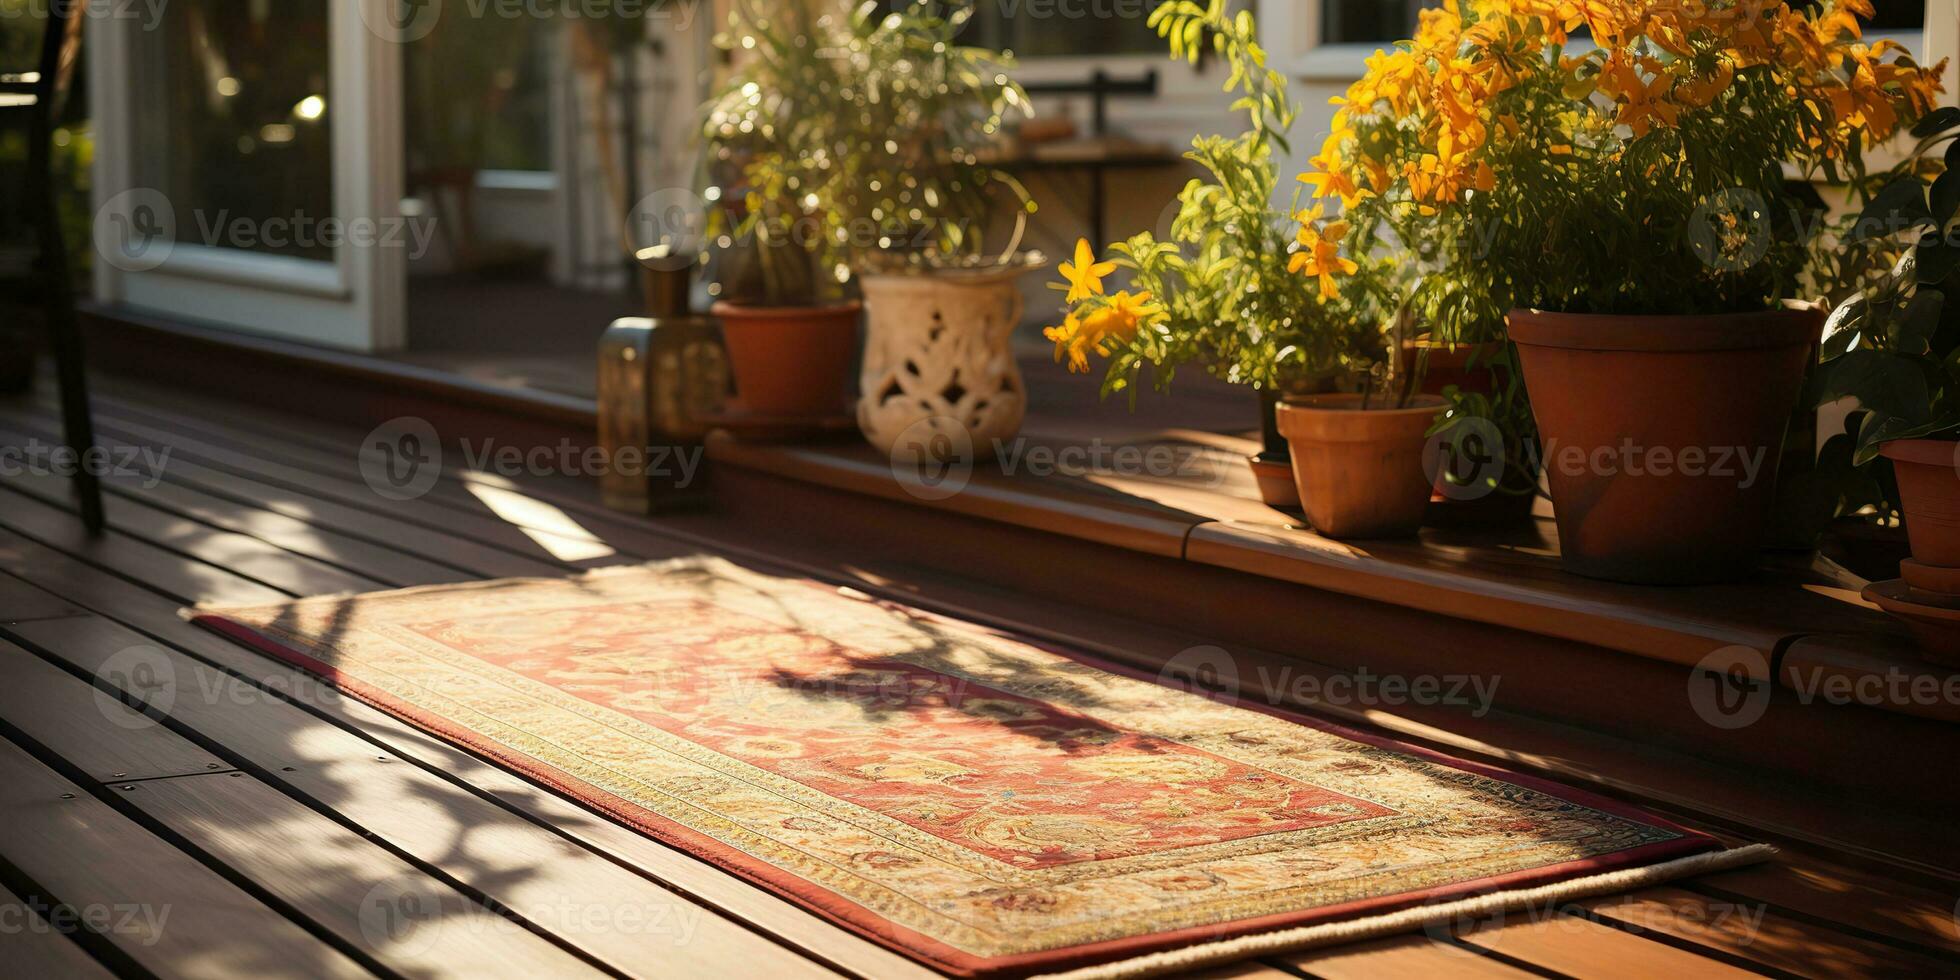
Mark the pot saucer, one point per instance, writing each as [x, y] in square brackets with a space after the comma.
[1934, 619]
[1936, 579]
[751, 426]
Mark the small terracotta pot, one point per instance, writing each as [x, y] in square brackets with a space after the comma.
[1928, 471]
[791, 361]
[1276, 485]
[1360, 472]
[1662, 435]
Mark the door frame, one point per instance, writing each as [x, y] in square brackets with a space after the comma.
[357, 300]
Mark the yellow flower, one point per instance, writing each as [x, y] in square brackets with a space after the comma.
[1100, 330]
[1085, 274]
[1319, 254]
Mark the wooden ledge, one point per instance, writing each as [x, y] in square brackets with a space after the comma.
[1801, 617]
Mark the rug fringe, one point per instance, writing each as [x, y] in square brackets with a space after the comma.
[1334, 933]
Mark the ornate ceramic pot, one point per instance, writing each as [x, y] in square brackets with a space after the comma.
[939, 359]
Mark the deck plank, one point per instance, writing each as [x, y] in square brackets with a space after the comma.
[521, 865]
[246, 556]
[1569, 944]
[169, 913]
[1756, 933]
[91, 729]
[33, 947]
[1411, 957]
[413, 808]
[464, 515]
[368, 897]
[312, 505]
[1853, 898]
[457, 500]
[407, 921]
[20, 601]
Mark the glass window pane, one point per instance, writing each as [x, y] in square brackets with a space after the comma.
[1369, 21]
[479, 95]
[234, 122]
[1387, 21]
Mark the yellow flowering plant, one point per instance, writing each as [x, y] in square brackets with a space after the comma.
[1644, 174]
[1256, 294]
[1638, 170]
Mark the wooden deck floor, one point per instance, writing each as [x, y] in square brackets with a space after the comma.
[248, 820]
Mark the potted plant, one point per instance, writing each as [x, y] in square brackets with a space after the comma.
[914, 206]
[1894, 348]
[1260, 296]
[785, 303]
[1626, 203]
[871, 178]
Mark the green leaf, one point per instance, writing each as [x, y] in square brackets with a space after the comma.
[1937, 121]
[1840, 331]
[1900, 206]
[1919, 322]
[1937, 258]
[1945, 199]
[1887, 385]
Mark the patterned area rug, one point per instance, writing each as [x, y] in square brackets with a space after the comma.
[977, 802]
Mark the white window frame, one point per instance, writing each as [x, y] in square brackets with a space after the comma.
[354, 301]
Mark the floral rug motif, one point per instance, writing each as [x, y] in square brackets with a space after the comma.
[980, 803]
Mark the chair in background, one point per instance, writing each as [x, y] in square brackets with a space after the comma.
[38, 95]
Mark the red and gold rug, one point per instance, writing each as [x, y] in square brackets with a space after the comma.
[980, 803]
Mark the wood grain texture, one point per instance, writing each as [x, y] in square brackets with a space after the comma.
[1754, 932]
[445, 824]
[169, 913]
[402, 918]
[33, 947]
[91, 728]
[1415, 957]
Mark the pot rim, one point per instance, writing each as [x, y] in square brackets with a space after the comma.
[1425, 404]
[1926, 452]
[1668, 333]
[941, 278]
[758, 311]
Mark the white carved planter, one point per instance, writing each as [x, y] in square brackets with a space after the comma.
[938, 356]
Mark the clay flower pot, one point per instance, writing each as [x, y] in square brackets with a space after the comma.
[1662, 435]
[1360, 471]
[939, 358]
[790, 362]
[1274, 477]
[1928, 472]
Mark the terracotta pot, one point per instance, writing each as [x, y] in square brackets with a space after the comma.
[1662, 435]
[790, 361]
[1360, 472]
[1276, 484]
[1444, 366]
[1928, 471]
